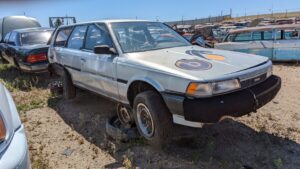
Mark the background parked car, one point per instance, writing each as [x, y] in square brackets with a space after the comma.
[27, 48]
[13, 143]
[277, 42]
[10, 23]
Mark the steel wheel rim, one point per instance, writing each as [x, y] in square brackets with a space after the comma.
[145, 120]
[124, 115]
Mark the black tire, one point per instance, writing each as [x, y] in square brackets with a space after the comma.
[161, 116]
[69, 90]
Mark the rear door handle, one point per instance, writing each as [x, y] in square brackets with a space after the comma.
[83, 60]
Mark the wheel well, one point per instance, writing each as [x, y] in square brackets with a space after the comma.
[137, 87]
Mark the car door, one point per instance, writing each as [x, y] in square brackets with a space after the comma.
[56, 52]
[71, 55]
[99, 69]
[287, 45]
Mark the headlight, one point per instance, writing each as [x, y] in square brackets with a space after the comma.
[209, 89]
[2, 130]
[225, 86]
[270, 72]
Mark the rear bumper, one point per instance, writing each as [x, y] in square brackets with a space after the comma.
[211, 110]
[36, 68]
[16, 155]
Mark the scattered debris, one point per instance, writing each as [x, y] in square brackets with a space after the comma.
[120, 132]
[68, 152]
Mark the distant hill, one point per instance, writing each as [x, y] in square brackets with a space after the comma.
[274, 15]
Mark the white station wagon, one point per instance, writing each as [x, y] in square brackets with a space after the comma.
[150, 69]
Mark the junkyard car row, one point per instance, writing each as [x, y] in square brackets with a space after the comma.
[157, 76]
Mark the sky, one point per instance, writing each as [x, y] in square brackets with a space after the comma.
[162, 10]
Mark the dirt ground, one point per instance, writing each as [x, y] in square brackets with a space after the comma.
[66, 134]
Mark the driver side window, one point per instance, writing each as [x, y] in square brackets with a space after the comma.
[97, 35]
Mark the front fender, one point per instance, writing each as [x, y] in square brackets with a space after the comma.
[148, 80]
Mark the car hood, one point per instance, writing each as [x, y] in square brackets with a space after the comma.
[196, 63]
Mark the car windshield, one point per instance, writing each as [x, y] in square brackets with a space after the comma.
[145, 36]
[32, 38]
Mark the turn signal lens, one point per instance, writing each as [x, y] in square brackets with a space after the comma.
[2, 130]
[199, 89]
[36, 58]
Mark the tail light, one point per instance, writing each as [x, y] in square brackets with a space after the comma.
[36, 58]
[2, 130]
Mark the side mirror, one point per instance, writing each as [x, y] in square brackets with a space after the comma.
[104, 49]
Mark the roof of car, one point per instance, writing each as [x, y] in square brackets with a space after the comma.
[262, 28]
[24, 30]
[107, 21]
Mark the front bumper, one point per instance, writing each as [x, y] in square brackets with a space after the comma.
[16, 156]
[211, 110]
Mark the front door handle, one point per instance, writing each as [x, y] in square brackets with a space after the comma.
[83, 60]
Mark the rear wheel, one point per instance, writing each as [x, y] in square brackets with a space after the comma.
[152, 118]
[69, 90]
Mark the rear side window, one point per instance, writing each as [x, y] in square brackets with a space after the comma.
[268, 35]
[291, 34]
[257, 36]
[243, 37]
[62, 37]
[77, 37]
[97, 36]
[262, 35]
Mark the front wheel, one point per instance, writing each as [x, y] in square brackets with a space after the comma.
[152, 117]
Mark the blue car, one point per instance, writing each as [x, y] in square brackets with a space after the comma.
[277, 42]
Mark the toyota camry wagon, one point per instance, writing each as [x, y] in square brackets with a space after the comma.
[157, 76]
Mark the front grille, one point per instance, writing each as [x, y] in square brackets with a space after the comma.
[253, 81]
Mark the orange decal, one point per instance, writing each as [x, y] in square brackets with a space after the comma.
[215, 57]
